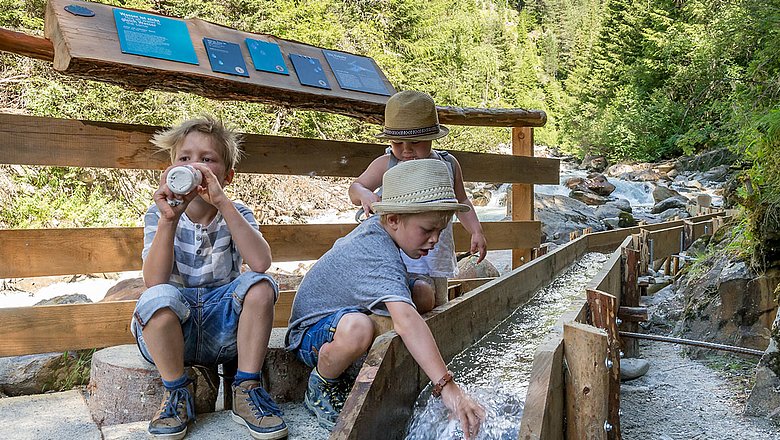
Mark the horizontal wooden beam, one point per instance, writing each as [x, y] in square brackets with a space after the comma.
[43, 252]
[43, 49]
[31, 140]
[44, 329]
[632, 314]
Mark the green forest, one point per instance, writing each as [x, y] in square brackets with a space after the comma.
[632, 80]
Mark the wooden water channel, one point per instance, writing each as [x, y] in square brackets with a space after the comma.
[390, 380]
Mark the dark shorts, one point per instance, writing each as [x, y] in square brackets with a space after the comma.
[319, 334]
[208, 316]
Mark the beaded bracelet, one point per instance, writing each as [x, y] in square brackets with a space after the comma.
[441, 383]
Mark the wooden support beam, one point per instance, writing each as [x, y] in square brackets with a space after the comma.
[26, 45]
[543, 419]
[44, 329]
[630, 295]
[632, 314]
[30, 140]
[587, 381]
[603, 308]
[522, 195]
[43, 252]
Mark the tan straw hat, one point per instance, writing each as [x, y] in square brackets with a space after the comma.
[411, 115]
[417, 186]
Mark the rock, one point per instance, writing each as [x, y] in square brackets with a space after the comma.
[599, 184]
[594, 163]
[662, 192]
[35, 373]
[588, 198]
[707, 160]
[669, 203]
[129, 289]
[764, 399]
[618, 170]
[561, 215]
[612, 222]
[608, 211]
[621, 204]
[717, 174]
[574, 183]
[631, 368]
[704, 200]
[73, 298]
[673, 214]
[645, 176]
[481, 197]
[626, 220]
[468, 268]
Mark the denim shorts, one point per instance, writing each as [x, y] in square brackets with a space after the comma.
[208, 316]
[319, 334]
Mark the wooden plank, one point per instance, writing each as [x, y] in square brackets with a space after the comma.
[522, 194]
[603, 307]
[587, 381]
[44, 329]
[386, 405]
[610, 278]
[31, 140]
[26, 45]
[543, 415]
[43, 252]
[607, 241]
[633, 314]
[89, 48]
[695, 230]
[666, 242]
[630, 296]
[43, 49]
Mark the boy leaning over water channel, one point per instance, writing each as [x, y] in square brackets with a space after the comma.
[198, 308]
[411, 125]
[363, 274]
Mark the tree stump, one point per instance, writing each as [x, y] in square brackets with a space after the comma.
[124, 387]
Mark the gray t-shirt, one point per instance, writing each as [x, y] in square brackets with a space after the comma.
[363, 269]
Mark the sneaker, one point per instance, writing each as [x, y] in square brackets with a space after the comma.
[325, 399]
[176, 411]
[254, 408]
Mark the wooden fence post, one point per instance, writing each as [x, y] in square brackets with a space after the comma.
[522, 206]
[587, 381]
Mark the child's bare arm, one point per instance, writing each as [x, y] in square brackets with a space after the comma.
[361, 192]
[469, 219]
[419, 341]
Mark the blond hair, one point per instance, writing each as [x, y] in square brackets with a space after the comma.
[226, 140]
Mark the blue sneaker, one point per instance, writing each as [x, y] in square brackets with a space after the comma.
[176, 411]
[325, 399]
[254, 408]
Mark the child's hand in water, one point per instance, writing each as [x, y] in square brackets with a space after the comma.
[468, 412]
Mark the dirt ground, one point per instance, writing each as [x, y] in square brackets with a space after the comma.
[685, 399]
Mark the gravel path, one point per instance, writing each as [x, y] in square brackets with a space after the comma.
[685, 399]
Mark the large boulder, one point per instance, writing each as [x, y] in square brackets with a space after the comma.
[669, 203]
[561, 215]
[594, 163]
[469, 268]
[39, 373]
[129, 289]
[764, 399]
[663, 192]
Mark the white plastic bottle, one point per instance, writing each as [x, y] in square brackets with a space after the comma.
[183, 179]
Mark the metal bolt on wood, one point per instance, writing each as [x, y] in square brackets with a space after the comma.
[608, 363]
[607, 426]
[618, 321]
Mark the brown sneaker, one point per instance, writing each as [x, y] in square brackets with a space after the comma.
[176, 411]
[254, 408]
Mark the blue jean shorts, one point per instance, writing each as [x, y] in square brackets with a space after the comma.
[319, 334]
[208, 316]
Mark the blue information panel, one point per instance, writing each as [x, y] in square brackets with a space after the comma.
[225, 57]
[154, 36]
[266, 56]
[309, 71]
[354, 72]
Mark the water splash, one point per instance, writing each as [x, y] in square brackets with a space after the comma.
[496, 370]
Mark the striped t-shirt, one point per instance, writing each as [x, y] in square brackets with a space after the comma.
[205, 256]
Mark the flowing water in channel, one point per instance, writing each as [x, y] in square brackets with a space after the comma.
[496, 369]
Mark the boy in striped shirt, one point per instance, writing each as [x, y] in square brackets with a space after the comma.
[198, 307]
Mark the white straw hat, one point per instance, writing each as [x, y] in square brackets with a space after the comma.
[412, 116]
[416, 186]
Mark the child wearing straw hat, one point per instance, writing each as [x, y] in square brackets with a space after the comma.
[411, 126]
[363, 274]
